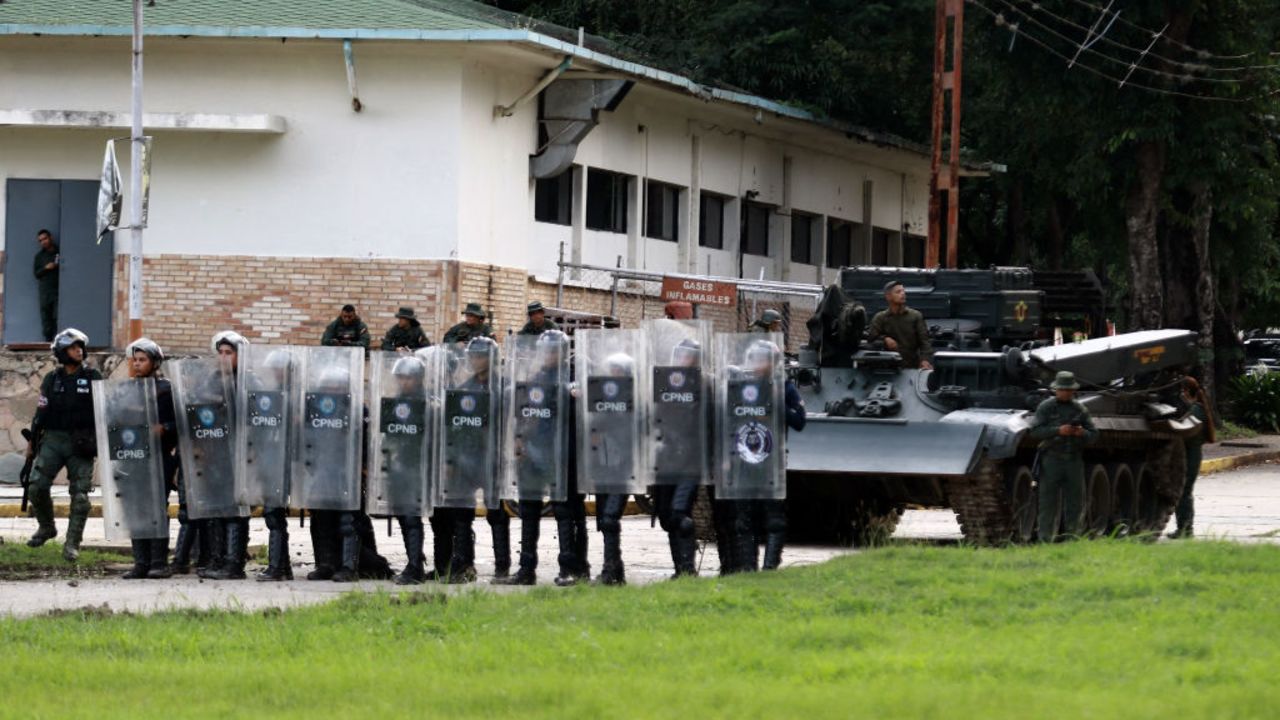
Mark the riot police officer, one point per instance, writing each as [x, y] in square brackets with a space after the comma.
[410, 376]
[536, 418]
[63, 435]
[151, 557]
[231, 530]
[611, 505]
[680, 419]
[278, 366]
[765, 516]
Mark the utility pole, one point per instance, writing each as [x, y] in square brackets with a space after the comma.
[135, 183]
[944, 82]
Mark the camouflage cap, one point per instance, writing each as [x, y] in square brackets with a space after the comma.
[535, 306]
[474, 308]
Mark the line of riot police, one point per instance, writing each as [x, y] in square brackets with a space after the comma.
[665, 409]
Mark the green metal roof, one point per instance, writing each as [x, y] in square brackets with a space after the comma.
[298, 14]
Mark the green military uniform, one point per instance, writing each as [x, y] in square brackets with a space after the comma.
[907, 328]
[357, 333]
[767, 318]
[1061, 460]
[47, 285]
[1186, 510]
[463, 333]
[412, 337]
[64, 423]
[529, 329]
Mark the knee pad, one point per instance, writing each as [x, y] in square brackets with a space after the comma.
[684, 525]
[80, 504]
[347, 525]
[275, 519]
[497, 517]
[609, 523]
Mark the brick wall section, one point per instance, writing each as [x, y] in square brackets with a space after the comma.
[503, 292]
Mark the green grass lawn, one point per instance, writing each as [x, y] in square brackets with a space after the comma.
[1107, 629]
[19, 562]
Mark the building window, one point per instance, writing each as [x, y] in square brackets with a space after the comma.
[711, 221]
[880, 246]
[755, 229]
[553, 199]
[662, 211]
[607, 201]
[803, 227]
[913, 251]
[839, 243]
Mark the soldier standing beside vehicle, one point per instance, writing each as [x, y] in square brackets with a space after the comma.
[406, 334]
[1199, 408]
[63, 431]
[472, 326]
[902, 329]
[46, 265]
[348, 330]
[1063, 426]
[538, 322]
[770, 321]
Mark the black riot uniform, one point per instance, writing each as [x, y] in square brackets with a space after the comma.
[766, 519]
[681, 406]
[151, 557]
[226, 538]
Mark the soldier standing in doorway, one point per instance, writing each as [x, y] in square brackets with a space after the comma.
[46, 266]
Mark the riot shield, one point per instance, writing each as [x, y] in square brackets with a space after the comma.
[399, 439]
[610, 421]
[263, 417]
[328, 429]
[679, 400]
[750, 417]
[467, 465]
[203, 398]
[134, 497]
[535, 429]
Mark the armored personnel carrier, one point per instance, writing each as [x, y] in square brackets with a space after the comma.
[881, 437]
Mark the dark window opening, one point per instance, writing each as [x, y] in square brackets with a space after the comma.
[913, 251]
[802, 232]
[839, 243]
[662, 211]
[880, 246]
[755, 230]
[553, 199]
[711, 221]
[606, 201]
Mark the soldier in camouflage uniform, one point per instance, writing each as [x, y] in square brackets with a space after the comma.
[1063, 426]
[538, 322]
[902, 329]
[63, 429]
[406, 334]
[348, 330]
[1198, 407]
[472, 326]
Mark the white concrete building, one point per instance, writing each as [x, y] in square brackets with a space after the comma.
[274, 198]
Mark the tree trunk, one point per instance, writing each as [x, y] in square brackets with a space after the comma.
[1017, 224]
[1206, 299]
[1057, 239]
[1142, 212]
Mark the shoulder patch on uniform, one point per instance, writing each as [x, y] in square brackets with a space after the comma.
[42, 402]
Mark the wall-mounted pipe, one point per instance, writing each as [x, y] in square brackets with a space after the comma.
[349, 57]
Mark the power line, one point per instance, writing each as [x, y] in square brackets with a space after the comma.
[1191, 66]
[1202, 54]
[1121, 82]
[1087, 47]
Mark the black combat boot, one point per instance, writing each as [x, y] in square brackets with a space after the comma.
[613, 572]
[684, 553]
[530, 529]
[235, 535]
[212, 545]
[278, 565]
[462, 566]
[350, 569]
[323, 546]
[580, 545]
[141, 560]
[501, 545]
[182, 548]
[414, 570]
[568, 557]
[773, 542]
[159, 549]
[441, 548]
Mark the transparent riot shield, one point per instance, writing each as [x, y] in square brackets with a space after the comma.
[535, 428]
[134, 497]
[328, 429]
[263, 417]
[610, 421]
[399, 435]
[679, 400]
[750, 417]
[467, 464]
[204, 405]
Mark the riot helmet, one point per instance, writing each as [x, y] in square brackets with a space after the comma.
[63, 342]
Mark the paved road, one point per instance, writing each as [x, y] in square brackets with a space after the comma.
[1242, 506]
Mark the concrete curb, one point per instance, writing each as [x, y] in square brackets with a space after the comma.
[1231, 462]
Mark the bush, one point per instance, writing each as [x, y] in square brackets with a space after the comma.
[1255, 401]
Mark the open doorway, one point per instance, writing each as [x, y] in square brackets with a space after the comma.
[84, 270]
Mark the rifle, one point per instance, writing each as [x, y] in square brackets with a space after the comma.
[24, 477]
